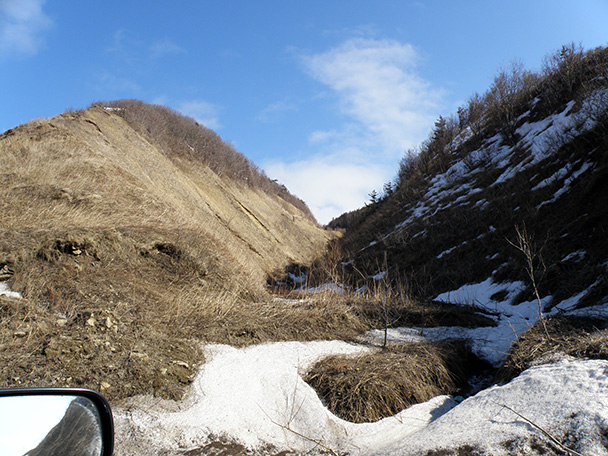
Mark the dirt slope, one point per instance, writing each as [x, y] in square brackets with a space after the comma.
[91, 169]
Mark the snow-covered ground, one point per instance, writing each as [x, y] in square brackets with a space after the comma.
[255, 397]
[490, 343]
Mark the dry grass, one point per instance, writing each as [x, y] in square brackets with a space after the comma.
[319, 317]
[103, 350]
[153, 296]
[181, 137]
[578, 337]
[91, 170]
[381, 384]
[128, 258]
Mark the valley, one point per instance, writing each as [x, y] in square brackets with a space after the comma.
[460, 312]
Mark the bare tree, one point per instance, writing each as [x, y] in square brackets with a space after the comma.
[525, 244]
[507, 91]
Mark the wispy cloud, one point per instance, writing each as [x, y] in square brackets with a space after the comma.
[378, 87]
[22, 26]
[385, 108]
[126, 47]
[164, 48]
[202, 111]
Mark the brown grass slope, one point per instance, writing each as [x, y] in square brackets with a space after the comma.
[127, 254]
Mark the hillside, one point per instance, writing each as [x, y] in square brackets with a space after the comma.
[127, 246]
[525, 162]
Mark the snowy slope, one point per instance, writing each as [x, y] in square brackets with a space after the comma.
[255, 397]
[454, 228]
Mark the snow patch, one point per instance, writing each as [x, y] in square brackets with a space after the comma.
[6, 291]
[567, 398]
[255, 396]
[575, 256]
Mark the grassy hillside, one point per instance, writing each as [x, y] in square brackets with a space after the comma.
[128, 248]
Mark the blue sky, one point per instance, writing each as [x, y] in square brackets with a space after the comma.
[324, 95]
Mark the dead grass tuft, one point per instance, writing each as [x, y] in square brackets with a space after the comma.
[578, 337]
[381, 384]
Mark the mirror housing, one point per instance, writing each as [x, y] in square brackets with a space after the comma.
[55, 421]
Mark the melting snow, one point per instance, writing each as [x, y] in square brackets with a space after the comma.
[255, 396]
[567, 184]
[6, 291]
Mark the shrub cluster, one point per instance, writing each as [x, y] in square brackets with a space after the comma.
[569, 73]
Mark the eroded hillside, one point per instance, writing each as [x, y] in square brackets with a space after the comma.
[126, 249]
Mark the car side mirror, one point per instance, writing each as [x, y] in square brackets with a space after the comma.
[55, 421]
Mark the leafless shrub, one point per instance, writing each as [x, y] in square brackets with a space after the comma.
[472, 116]
[564, 65]
[510, 89]
[535, 266]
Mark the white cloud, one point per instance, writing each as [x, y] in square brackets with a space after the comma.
[328, 186]
[386, 108]
[22, 24]
[378, 87]
[202, 111]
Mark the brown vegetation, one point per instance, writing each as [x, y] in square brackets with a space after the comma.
[381, 384]
[578, 337]
[128, 256]
[180, 136]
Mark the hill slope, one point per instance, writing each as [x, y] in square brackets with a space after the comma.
[124, 247]
[526, 162]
